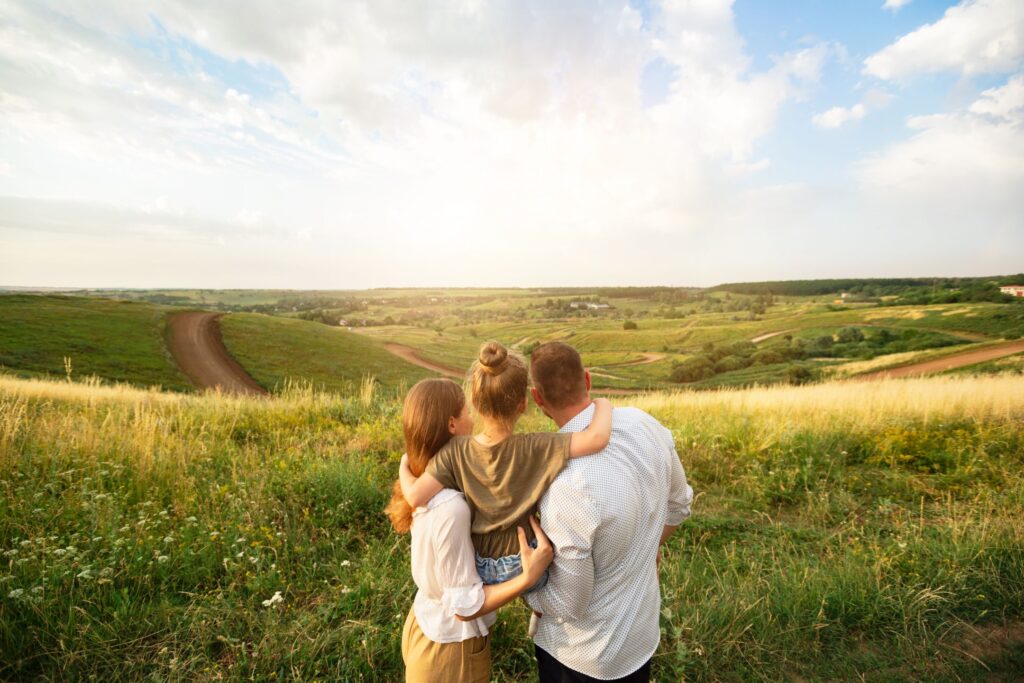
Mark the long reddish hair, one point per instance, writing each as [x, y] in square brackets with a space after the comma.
[425, 414]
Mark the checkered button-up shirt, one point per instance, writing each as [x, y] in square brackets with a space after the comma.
[605, 514]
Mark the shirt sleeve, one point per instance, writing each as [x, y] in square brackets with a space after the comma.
[680, 495]
[442, 467]
[463, 591]
[570, 520]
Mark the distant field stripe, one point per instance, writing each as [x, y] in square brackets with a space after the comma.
[956, 360]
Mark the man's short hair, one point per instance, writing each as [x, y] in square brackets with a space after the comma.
[557, 372]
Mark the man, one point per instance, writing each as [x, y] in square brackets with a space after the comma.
[606, 515]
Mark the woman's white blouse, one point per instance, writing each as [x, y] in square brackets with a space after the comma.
[444, 569]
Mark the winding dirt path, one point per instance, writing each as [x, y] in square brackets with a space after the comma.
[195, 342]
[411, 355]
[646, 358]
[769, 335]
[956, 360]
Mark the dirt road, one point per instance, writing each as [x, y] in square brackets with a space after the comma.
[957, 360]
[197, 347]
[769, 335]
[407, 353]
[646, 358]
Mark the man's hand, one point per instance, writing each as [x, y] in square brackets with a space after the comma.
[535, 560]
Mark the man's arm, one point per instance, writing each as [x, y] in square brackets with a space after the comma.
[570, 520]
[680, 495]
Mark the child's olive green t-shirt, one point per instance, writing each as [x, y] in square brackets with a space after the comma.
[502, 483]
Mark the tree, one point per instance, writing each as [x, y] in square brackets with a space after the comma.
[849, 334]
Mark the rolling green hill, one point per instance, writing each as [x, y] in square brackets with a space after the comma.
[113, 340]
[274, 350]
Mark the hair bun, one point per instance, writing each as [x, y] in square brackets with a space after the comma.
[493, 358]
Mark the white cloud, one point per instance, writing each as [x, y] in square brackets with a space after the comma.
[957, 179]
[837, 116]
[895, 5]
[975, 37]
[1005, 102]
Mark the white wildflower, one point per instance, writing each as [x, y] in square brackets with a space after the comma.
[168, 539]
[273, 600]
[85, 574]
[162, 559]
[345, 563]
[16, 593]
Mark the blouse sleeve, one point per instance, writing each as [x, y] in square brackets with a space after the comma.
[463, 591]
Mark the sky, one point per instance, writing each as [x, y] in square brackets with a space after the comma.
[338, 145]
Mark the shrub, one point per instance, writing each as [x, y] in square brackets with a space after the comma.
[798, 374]
[629, 325]
[693, 369]
[849, 334]
[730, 363]
[767, 357]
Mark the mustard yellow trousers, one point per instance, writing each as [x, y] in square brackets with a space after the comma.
[428, 662]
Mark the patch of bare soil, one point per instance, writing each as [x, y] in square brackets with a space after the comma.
[195, 342]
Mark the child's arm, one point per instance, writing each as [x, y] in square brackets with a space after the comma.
[594, 438]
[417, 491]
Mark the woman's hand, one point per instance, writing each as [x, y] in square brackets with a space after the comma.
[535, 560]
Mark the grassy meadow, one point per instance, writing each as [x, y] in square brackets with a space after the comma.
[121, 341]
[276, 350]
[853, 531]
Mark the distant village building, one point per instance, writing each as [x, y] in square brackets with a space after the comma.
[1013, 290]
[587, 305]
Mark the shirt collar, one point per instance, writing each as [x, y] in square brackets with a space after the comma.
[581, 421]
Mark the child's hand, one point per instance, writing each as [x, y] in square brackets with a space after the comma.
[535, 560]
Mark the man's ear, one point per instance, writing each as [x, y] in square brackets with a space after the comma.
[538, 398]
[586, 378]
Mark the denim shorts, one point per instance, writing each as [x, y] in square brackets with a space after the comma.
[500, 569]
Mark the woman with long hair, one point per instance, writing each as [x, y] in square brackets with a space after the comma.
[501, 473]
[446, 634]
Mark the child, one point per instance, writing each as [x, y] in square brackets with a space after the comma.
[503, 475]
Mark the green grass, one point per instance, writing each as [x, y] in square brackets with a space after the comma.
[276, 350]
[140, 535]
[114, 340]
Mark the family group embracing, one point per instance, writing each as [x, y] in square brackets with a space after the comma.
[609, 488]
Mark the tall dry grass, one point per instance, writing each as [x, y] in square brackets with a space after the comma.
[840, 530]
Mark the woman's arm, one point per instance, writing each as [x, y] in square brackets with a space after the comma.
[417, 491]
[595, 437]
[535, 563]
